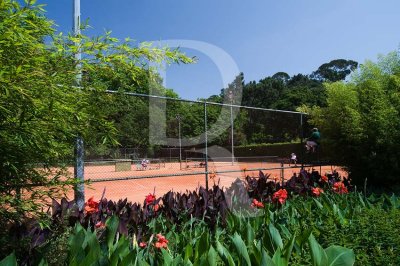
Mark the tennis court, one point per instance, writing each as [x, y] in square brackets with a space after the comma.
[135, 183]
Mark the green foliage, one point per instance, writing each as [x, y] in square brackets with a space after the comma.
[373, 234]
[10, 260]
[85, 249]
[334, 255]
[43, 109]
[335, 70]
[360, 123]
[329, 230]
[272, 149]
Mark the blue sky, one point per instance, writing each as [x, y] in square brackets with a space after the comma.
[262, 36]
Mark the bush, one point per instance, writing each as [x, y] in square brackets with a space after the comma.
[42, 111]
[361, 125]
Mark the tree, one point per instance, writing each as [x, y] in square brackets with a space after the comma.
[42, 110]
[282, 76]
[335, 70]
[361, 125]
[301, 90]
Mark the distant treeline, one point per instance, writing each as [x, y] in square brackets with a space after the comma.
[279, 91]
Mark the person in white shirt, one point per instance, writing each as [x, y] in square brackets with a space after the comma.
[145, 163]
[293, 159]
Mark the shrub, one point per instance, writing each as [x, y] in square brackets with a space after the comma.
[360, 124]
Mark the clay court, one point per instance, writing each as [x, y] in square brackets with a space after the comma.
[135, 183]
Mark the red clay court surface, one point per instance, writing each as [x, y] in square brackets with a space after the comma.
[136, 189]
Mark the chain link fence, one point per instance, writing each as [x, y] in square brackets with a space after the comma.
[167, 144]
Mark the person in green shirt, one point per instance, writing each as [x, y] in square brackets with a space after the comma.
[313, 140]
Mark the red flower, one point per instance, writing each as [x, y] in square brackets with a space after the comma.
[316, 191]
[340, 188]
[156, 207]
[280, 196]
[100, 225]
[142, 244]
[91, 206]
[150, 198]
[257, 204]
[161, 241]
[324, 179]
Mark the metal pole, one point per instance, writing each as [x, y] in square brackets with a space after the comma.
[180, 140]
[206, 140]
[77, 32]
[232, 147]
[301, 141]
[79, 190]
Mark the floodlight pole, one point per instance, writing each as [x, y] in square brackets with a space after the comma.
[178, 117]
[232, 147]
[79, 189]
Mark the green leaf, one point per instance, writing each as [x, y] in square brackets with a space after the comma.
[285, 232]
[10, 260]
[266, 259]
[278, 258]
[111, 229]
[202, 246]
[121, 249]
[275, 236]
[76, 243]
[241, 248]
[287, 250]
[319, 205]
[249, 234]
[340, 256]
[129, 259]
[188, 252]
[224, 254]
[318, 254]
[93, 249]
[42, 262]
[303, 237]
[361, 199]
[177, 261]
[212, 257]
[167, 258]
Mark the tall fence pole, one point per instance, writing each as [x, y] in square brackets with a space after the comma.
[206, 140]
[178, 117]
[232, 146]
[301, 141]
[79, 190]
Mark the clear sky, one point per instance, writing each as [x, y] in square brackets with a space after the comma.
[262, 36]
